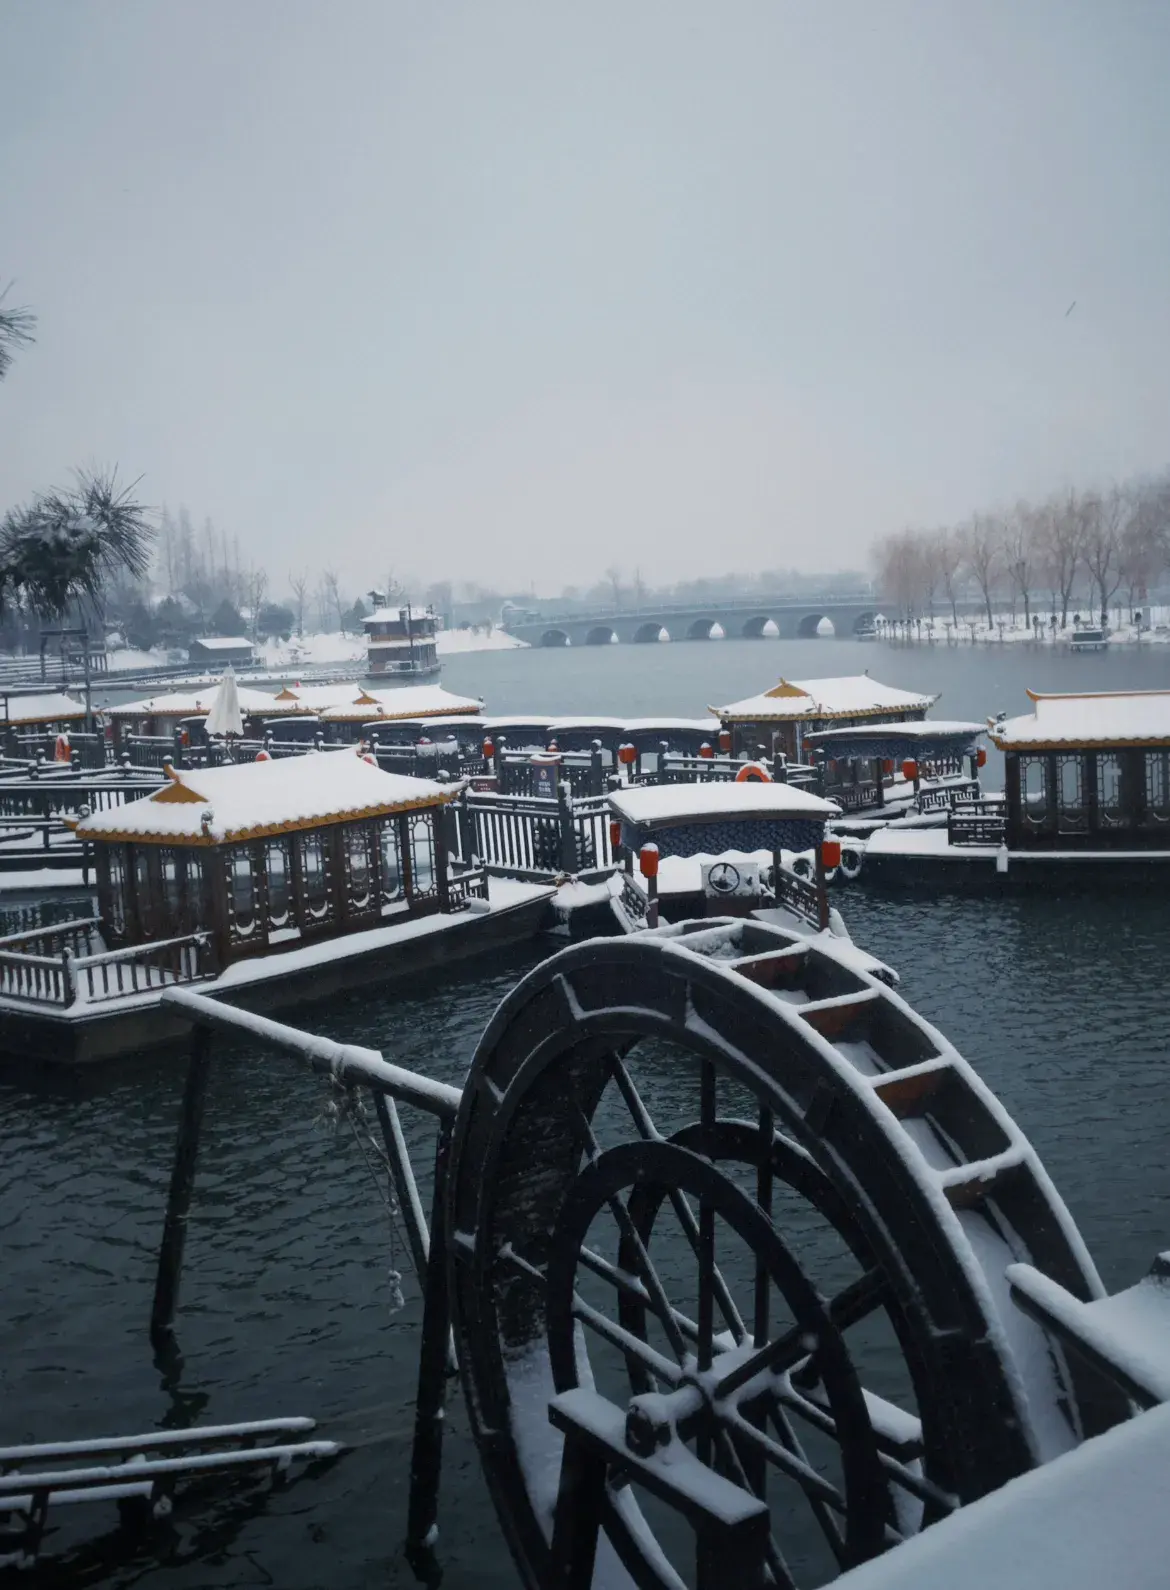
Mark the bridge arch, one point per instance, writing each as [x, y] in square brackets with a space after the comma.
[554, 637]
[809, 627]
[600, 635]
[761, 627]
[700, 629]
[864, 621]
[650, 633]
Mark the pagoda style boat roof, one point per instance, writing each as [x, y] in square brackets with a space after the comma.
[52, 707]
[396, 614]
[225, 805]
[851, 695]
[189, 703]
[633, 725]
[299, 698]
[924, 735]
[414, 701]
[1109, 718]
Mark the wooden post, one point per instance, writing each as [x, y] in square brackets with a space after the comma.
[596, 769]
[170, 1255]
[426, 1457]
[442, 856]
[822, 887]
[568, 838]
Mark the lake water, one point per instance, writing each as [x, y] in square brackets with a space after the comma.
[288, 1306]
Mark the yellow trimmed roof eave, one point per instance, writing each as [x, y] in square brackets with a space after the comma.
[239, 836]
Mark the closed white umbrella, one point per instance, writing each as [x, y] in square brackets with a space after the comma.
[225, 717]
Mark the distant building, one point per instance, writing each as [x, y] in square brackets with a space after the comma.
[221, 650]
[401, 641]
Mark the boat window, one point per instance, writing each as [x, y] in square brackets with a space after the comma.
[117, 864]
[1034, 789]
[422, 855]
[241, 891]
[314, 875]
[143, 893]
[1072, 815]
[391, 861]
[277, 863]
[172, 890]
[1110, 811]
[1158, 786]
[359, 865]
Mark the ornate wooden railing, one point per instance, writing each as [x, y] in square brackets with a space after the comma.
[533, 837]
[142, 968]
[946, 796]
[799, 895]
[976, 822]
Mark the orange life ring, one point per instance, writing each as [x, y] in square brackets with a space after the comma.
[753, 770]
[61, 751]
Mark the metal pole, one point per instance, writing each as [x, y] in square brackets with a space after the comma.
[426, 1458]
[405, 1186]
[170, 1255]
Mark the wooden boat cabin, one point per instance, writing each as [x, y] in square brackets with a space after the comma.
[779, 719]
[1088, 772]
[346, 721]
[740, 830]
[159, 717]
[401, 640]
[263, 855]
[868, 763]
[32, 722]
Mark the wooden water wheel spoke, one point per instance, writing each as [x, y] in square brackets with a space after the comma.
[682, 1209]
[648, 1274]
[852, 1227]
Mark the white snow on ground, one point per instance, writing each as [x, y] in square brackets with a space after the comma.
[126, 657]
[453, 640]
[304, 651]
[1013, 631]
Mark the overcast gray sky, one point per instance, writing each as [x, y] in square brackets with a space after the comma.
[515, 289]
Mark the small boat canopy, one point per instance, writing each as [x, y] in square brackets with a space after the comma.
[708, 819]
[851, 696]
[1113, 718]
[192, 704]
[53, 707]
[222, 805]
[413, 701]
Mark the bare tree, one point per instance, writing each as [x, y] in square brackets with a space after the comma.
[901, 571]
[299, 585]
[255, 589]
[948, 557]
[1145, 537]
[1060, 542]
[333, 599]
[614, 576]
[983, 550]
[1019, 555]
[1103, 516]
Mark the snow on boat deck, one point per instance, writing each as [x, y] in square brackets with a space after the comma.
[1096, 1516]
[661, 804]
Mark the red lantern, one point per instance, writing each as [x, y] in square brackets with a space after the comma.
[615, 834]
[627, 754]
[909, 769]
[648, 861]
[489, 750]
[725, 741]
[888, 765]
[831, 853]
[981, 757]
[705, 751]
[263, 756]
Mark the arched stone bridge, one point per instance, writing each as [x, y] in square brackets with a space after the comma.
[738, 620]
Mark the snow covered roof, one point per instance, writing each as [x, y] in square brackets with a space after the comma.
[852, 695]
[313, 698]
[663, 805]
[633, 725]
[414, 701]
[252, 799]
[53, 707]
[1118, 717]
[395, 615]
[189, 704]
[920, 729]
[222, 642]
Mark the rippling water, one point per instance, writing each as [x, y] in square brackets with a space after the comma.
[288, 1299]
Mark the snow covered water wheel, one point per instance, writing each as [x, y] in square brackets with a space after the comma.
[729, 1226]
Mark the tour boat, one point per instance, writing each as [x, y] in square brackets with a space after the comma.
[270, 882]
[1086, 801]
[753, 848]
